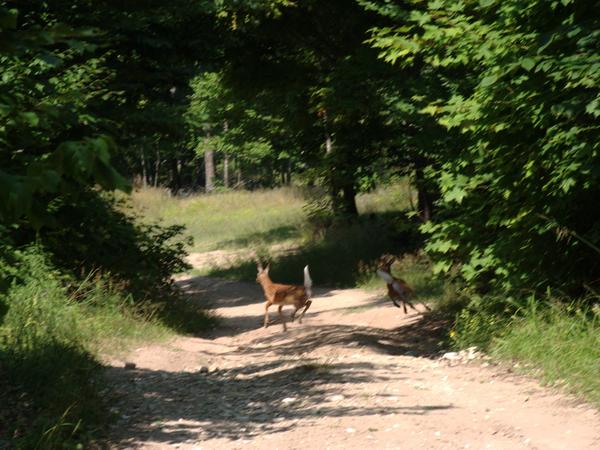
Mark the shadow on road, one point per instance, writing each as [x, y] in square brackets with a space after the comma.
[177, 407]
[281, 384]
[424, 337]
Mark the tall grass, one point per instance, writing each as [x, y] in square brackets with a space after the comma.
[50, 341]
[560, 343]
[557, 342]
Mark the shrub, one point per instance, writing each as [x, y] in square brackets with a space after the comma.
[92, 232]
[51, 378]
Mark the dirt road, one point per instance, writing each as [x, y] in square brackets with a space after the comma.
[358, 373]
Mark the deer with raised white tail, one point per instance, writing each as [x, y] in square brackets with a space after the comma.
[284, 294]
[398, 289]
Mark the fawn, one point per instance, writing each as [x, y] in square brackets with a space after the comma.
[397, 288]
[284, 294]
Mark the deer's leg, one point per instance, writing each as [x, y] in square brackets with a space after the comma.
[282, 317]
[404, 306]
[267, 313]
[308, 303]
[410, 304]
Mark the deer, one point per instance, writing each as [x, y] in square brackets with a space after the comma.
[284, 294]
[398, 289]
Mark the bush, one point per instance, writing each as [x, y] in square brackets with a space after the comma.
[481, 320]
[92, 232]
[51, 378]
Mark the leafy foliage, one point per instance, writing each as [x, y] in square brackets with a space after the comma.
[51, 142]
[523, 84]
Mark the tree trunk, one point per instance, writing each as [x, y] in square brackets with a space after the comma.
[349, 200]
[156, 167]
[175, 176]
[143, 162]
[226, 170]
[238, 174]
[209, 169]
[424, 197]
[226, 158]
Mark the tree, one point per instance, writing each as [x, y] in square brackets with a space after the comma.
[523, 95]
[323, 82]
[51, 142]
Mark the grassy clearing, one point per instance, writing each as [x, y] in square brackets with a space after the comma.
[228, 220]
[242, 219]
[342, 255]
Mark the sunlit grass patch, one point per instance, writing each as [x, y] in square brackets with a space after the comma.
[562, 343]
[399, 196]
[228, 220]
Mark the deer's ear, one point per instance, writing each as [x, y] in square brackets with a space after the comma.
[259, 266]
[267, 268]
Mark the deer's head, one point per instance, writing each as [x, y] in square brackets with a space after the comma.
[385, 263]
[263, 273]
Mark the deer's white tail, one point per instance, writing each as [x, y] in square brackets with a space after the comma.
[307, 282]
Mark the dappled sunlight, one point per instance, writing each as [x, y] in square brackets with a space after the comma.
[260, 398]
[421, 336]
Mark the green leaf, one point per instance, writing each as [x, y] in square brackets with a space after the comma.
[31, 118]
[456, 194]
[528, 63]
[593, 107]
[489, 80]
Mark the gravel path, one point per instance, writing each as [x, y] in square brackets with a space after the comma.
[358, 373]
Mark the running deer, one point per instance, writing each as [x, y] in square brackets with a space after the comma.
[397, 288]
[284, 294]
